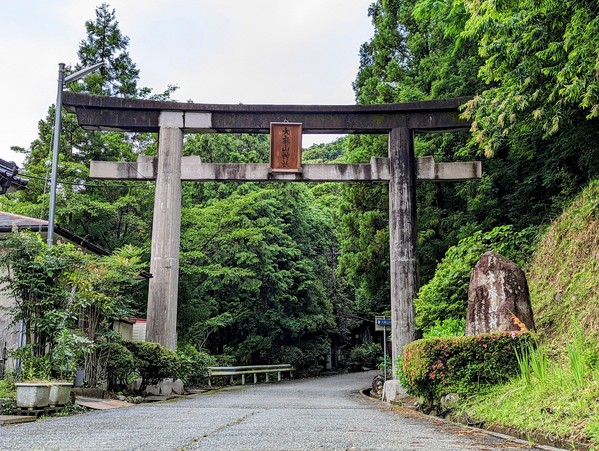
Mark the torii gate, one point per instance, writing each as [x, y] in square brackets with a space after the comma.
[172, 119]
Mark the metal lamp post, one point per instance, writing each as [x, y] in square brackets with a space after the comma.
[62, 80]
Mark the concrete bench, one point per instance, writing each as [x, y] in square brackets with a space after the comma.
[232, 371]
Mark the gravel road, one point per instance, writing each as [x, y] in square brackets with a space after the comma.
[310, 414]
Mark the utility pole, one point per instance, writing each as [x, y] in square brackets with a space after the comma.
[62, 80]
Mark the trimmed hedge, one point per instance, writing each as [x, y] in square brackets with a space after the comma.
[153, 362]
[119, 362]
[434, 367]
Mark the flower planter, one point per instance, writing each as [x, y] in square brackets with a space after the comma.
[32, 395]
[60, 393]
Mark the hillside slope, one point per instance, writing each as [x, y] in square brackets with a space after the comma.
[564, 273]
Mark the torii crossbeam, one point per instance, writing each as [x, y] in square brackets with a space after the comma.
[172, 119]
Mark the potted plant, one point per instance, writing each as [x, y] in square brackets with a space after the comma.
[33, 391]
[68, 349]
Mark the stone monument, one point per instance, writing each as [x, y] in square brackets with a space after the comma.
[498, 298]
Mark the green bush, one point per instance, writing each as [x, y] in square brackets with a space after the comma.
[292, 355]
[7, 388]
[449, 327]
[8, 393]
[446, 294]
[434, 367]
[153, 362]
[225, 359]
[193, 364]
[365, 355]
[315, 351]
[120, 363]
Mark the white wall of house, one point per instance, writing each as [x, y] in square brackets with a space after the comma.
[9, 333]
[139, 330]
[124, 329]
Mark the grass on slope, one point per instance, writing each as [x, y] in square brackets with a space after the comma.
[557, 394]
[564, 274]
[559, 401]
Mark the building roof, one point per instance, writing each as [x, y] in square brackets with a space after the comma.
[10, 220]
[9, 181]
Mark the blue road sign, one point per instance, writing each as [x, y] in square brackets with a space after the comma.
[382, 323]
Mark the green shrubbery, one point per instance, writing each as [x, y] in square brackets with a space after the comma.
[434, 367]
[7, 388]
[193, 364]
[153, 362]
[119, 363]
[450, 327]
[307, 360]
[365, 355]
[445, 296]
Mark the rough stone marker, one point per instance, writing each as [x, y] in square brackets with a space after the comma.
[498, 298]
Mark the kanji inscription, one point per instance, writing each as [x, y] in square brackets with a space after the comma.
[285, 146]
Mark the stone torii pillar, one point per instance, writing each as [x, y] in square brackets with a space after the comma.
[166, 233]
[402, 239]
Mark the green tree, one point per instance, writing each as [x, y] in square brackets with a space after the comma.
[105, 288]
[108, 213]
[531, 69]
[250, 268]
[37, 278]
[105, 43]
[410, 57]
[538, 110]
[540, 62]
[67, 300]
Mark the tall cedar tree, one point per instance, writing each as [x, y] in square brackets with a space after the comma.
[532, 69]
[255, 269]
[110, 214]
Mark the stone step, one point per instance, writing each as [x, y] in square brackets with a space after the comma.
[14, 419]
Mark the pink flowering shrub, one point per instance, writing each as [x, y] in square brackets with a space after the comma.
[434, 367]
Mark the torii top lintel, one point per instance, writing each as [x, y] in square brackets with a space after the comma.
[121, 114]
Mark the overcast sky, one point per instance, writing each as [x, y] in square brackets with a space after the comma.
[216, 51]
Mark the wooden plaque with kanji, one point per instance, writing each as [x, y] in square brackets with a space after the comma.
[285, 147]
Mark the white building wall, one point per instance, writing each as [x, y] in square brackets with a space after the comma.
[9, 333]
[139, 331]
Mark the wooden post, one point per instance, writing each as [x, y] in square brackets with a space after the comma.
[402, 239]
[164, 266]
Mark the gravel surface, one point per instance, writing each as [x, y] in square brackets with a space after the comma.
[310, 414]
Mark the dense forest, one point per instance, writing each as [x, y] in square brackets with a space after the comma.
[274, 272]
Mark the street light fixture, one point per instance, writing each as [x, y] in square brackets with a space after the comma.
[62, 80]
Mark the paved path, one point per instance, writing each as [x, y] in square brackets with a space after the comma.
[324, 413]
